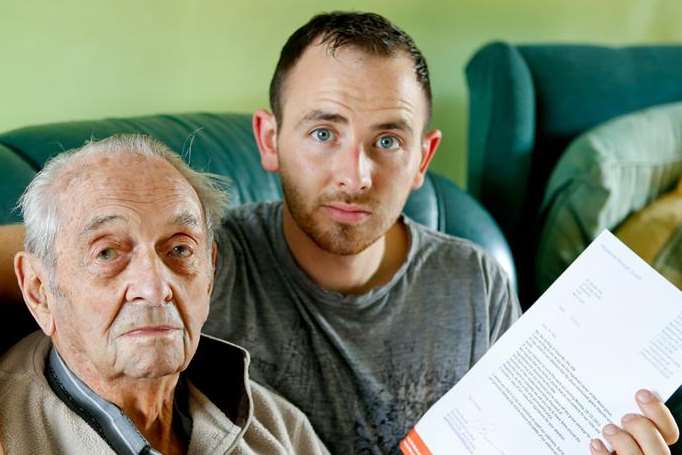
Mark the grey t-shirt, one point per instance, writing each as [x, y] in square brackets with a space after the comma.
[363, 368]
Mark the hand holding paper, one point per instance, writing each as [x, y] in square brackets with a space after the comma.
[648, 433]
[570, 367]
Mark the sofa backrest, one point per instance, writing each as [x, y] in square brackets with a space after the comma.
[222, 144]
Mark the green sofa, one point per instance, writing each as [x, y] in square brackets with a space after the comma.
[528, 102]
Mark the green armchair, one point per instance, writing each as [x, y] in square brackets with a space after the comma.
[527, 103]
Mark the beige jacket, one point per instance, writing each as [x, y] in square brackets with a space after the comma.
[33, 420]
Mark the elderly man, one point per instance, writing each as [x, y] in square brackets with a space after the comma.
[118, 273]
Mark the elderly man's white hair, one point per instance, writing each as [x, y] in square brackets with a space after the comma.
[38, 204]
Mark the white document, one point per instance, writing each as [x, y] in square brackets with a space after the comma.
[609, 326]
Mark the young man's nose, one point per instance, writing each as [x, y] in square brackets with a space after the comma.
[149, 279]
[353, 170]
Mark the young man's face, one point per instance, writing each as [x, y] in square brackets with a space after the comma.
[351, 144]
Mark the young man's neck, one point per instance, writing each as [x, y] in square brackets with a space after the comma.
[351, 274]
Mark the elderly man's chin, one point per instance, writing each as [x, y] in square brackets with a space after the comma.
[153, 356]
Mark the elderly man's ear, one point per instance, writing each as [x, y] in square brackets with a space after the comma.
[214, 258]
[33, 281]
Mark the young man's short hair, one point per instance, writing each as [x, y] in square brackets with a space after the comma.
[368, 32]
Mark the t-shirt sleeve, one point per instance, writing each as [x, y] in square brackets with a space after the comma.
[503, 305]
[226, 253]
[223, 279]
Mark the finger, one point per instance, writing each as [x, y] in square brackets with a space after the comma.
[645, 434]
[622, 442]
[653, 408]
[598, 448]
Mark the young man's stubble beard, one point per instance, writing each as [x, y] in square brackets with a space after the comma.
[329, 235]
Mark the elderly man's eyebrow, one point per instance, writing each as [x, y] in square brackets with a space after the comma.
[100, 221]
[186, 219]
[319, 115]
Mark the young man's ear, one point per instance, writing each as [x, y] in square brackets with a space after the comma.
[264, 126]
[430, 144]
[33, 280]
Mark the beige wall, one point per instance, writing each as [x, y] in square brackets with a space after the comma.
[77, 59]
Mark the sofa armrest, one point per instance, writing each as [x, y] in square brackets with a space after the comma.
[16, 175]
[459, 214]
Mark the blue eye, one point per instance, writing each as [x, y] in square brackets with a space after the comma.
[387, 143]
[322, 134]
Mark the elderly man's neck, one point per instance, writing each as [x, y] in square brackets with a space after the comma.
[151, 410]
[148, 402]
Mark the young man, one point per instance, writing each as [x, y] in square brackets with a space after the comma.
[357, 315]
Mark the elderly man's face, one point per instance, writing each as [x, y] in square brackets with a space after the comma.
[133, 276]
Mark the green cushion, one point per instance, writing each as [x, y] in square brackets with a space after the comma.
[604, 175]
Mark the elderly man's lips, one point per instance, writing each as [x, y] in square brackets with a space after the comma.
[346, 213]
[151, 330]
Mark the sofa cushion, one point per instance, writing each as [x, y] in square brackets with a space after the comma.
[604, 175]
[655, 234]
[669, 258]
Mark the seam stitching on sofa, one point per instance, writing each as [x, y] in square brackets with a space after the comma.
[32, 164]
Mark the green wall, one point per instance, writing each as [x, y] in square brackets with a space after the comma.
[67, 59]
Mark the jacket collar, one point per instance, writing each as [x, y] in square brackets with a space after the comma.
[218, 371]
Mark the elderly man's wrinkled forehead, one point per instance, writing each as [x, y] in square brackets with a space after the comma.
[106, 167]
[123, 179]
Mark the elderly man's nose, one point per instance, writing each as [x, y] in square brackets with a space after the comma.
[149, 280]
[353, 171]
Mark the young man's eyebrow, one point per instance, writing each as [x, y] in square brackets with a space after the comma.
[400, 125]
[100, 221]
[319, 115]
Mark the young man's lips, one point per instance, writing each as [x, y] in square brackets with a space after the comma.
[347, 213]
